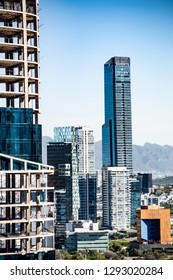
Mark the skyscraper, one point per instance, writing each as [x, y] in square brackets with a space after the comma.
[87, 174]
[117, 143]
[135, 197]
[82, 139]
[85, 150]
[62, 155]
[117, 129]
[88, 196]
[26, 214]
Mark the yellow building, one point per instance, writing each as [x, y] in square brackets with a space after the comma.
[153, 225]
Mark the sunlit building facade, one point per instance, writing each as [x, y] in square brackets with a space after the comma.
[116, 197]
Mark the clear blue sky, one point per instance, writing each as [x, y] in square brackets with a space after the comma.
[78, 36]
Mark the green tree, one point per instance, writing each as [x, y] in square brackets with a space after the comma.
[94, 255]
[149, 255]
[162, 256]
[66, 255]
[77, 256]
[116, 247]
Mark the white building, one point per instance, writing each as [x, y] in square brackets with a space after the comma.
[116, 197]
[83, 138]
[149, 199]
[81, 226]
[85, 149]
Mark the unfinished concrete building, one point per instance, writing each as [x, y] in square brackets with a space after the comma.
[19, 53]
[26, 213]
[23, 189]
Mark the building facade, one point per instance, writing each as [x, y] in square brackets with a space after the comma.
[153, 225]
[87, 173]
[146, 182]
[135, 197]
[150, 199]
[85, 150]
[88, 197]
[85, 235]
[21, 135]
[63, 157]
[116, 197]
[117, 129]
[26, 213]
[82, 139]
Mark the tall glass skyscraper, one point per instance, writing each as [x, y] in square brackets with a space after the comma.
[117, 129]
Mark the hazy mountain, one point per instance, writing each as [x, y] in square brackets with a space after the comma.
[153, 157]
[146, 158]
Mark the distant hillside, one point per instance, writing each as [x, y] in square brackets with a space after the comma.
[166, 181]
[153, 157]
[146, 158]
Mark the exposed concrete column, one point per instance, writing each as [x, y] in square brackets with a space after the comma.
[38, 243]
[28, 229]
[13, 194]
[26, 90]
[8, 210]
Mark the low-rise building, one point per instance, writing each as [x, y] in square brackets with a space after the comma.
[150, 199]
[85, 235]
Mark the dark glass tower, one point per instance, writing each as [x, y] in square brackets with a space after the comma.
[88, 197]
[146, 182]
[63, 156]
[117, 129]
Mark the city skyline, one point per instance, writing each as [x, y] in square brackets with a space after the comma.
[84, 35]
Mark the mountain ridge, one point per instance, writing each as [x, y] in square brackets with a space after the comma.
[147, 158]
[152, 158]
